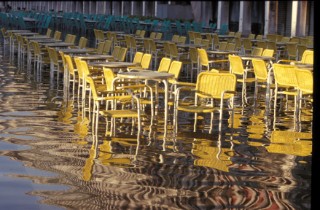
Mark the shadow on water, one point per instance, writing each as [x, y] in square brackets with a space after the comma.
[50, 160]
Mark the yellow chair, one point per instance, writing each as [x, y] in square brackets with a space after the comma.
[145, 63]
[191, 37]
[107, 47]
[247, 45]
[236, 67]
[291, 49]
[158, 36]
[57, 35]
[82, 42]
[285, 78]
[137, 57]
[251, 36]
[164, 65]
[122, 54]
[175, 38]
[210, 86]
[72, 73]
[307, 58]
[182, 39]
[261, 76]
[305, 85]
[268, 52]
[259, 37]
[262, 44]
[55, 65]
[49, 32]
[99, 36]
[256, 51]
[130, 112]
[153, 35]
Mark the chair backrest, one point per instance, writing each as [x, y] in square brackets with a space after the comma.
[193, 53]
[212, 84]
[159, 35]
[305, 80]
[271, 37]
[247, 45]
[166, 49]
[285, 75]
[223, 45]
[260, 69]
[49, 32]
[153, 35]
[107, 47]
[146, 46]
[100, 47]
[259, 37]
[191, 36]
[142, 33]
[174, 53]
[236, 65]
[116, 51]
[197, 41]
[257, 51]
[292, 50]
[146, 60]
[57, 35]
[175, 38]
[53, 55]
[68, 38]
[301, 49]
[108, 78]
[164, 65]
[307, 57]
[64, 62]
[203, 58]
[262, 44]
[175, 68]
[182, 39]
[69, 64]
[122, 54]
[268, 52]
[82, 42]
[138, 32]
[231, 46]
[137, 57]
[251, 36]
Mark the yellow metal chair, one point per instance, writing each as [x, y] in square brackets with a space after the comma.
[256, 51]
[285, 78]
[55, 65]
[262, 77]
[130, 112]
[305, 85]
[72, 74]
[210, 86]
[57, 35]
[236, 67]
[137, 57]
[307, 58]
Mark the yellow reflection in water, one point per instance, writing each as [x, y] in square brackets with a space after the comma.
[290, 143]
[211, 156]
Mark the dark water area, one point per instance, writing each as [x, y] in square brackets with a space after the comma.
[50, 161]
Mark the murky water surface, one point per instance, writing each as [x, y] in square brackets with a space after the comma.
[48, 159]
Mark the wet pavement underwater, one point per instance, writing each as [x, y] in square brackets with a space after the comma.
[48, 160]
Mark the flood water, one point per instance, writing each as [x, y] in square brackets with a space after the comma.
[48, 159]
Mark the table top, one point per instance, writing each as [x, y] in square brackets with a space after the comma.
[112, 64]
[250, 57]
[27, 33]
[145, 75]
[222, 52]
[17, 31]
[30, 19]
[38, 37]
[76, 50]
[94, 57]
[45, 41]
[58, 44]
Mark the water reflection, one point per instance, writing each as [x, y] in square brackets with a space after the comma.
[257, 165]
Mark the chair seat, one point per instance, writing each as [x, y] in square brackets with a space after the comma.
[246, 80]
